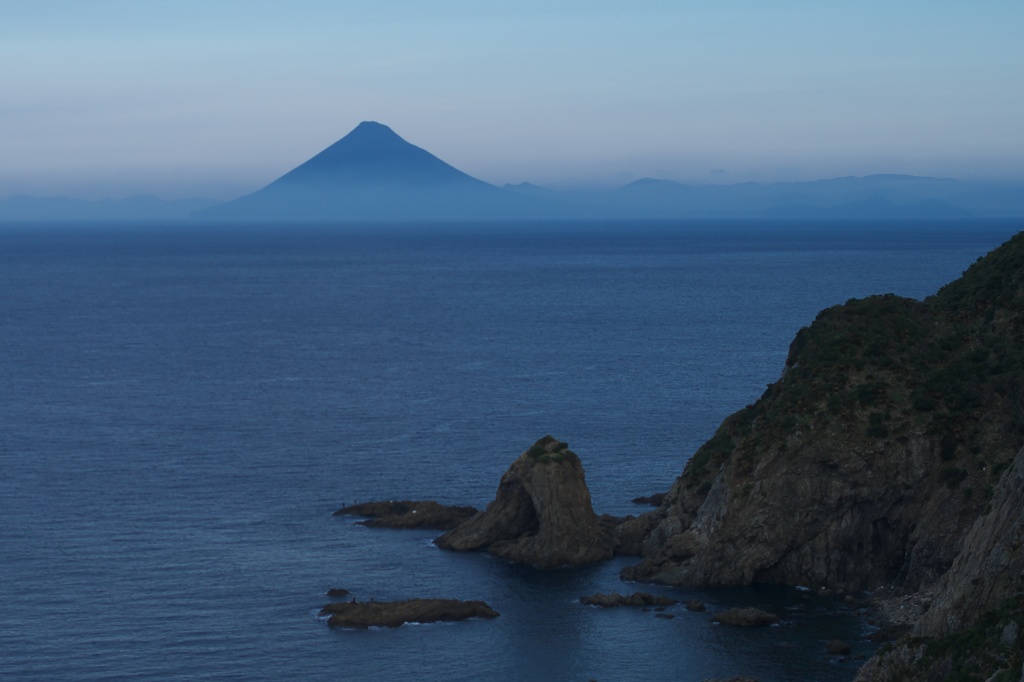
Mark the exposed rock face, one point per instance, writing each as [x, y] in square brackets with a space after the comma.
[745, 618]
[630, 534]
[972, 624]
[406, 514]
[541, 514]
[991, 564]
[394, 614]
[635, 599]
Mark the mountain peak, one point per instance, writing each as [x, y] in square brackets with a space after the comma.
[372, 125]
[372, 173]
[371, 130]
[373, 154]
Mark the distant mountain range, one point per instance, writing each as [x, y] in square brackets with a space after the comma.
[26, 208]
[372, 174]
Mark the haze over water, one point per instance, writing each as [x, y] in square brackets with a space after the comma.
[193, 98]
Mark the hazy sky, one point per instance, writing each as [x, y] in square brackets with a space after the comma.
[108, 98]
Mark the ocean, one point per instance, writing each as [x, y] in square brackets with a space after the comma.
[184, 405]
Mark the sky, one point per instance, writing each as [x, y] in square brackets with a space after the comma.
[215, 98]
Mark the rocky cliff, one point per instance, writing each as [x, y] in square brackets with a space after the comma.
[884, 455]
[972, 629]
[541, 514]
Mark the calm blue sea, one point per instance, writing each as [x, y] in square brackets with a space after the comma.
[183, 406]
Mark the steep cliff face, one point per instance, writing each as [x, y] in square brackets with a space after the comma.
[973, 629]
[989, 567]
[872, 457]
[541, 514]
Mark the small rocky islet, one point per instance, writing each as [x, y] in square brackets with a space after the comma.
[896, 432]
[408, 514]
[363, 615]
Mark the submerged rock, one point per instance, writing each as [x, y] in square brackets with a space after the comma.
[393, 614]
[745, 618]
[409, 514]
[541, 514]
[654, 500]
[635, 599]
[838, 648]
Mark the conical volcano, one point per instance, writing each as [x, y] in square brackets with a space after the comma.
[374, 155]
[374, 174]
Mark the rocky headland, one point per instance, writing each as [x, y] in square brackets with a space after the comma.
[888, 455]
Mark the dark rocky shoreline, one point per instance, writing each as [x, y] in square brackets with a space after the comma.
[887, 460]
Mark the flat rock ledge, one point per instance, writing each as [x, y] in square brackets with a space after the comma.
[409, 514]
[635, 599]
[364, 615]
[745, 618]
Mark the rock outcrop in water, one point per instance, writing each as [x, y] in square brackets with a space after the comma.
[745, 618]
[409, 514]
[393, 614]
[888, 454]
[635, 599]
[541, 514]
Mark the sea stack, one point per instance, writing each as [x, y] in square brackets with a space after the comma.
[541, 514]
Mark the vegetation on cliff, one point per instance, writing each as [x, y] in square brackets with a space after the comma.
[884, 366]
